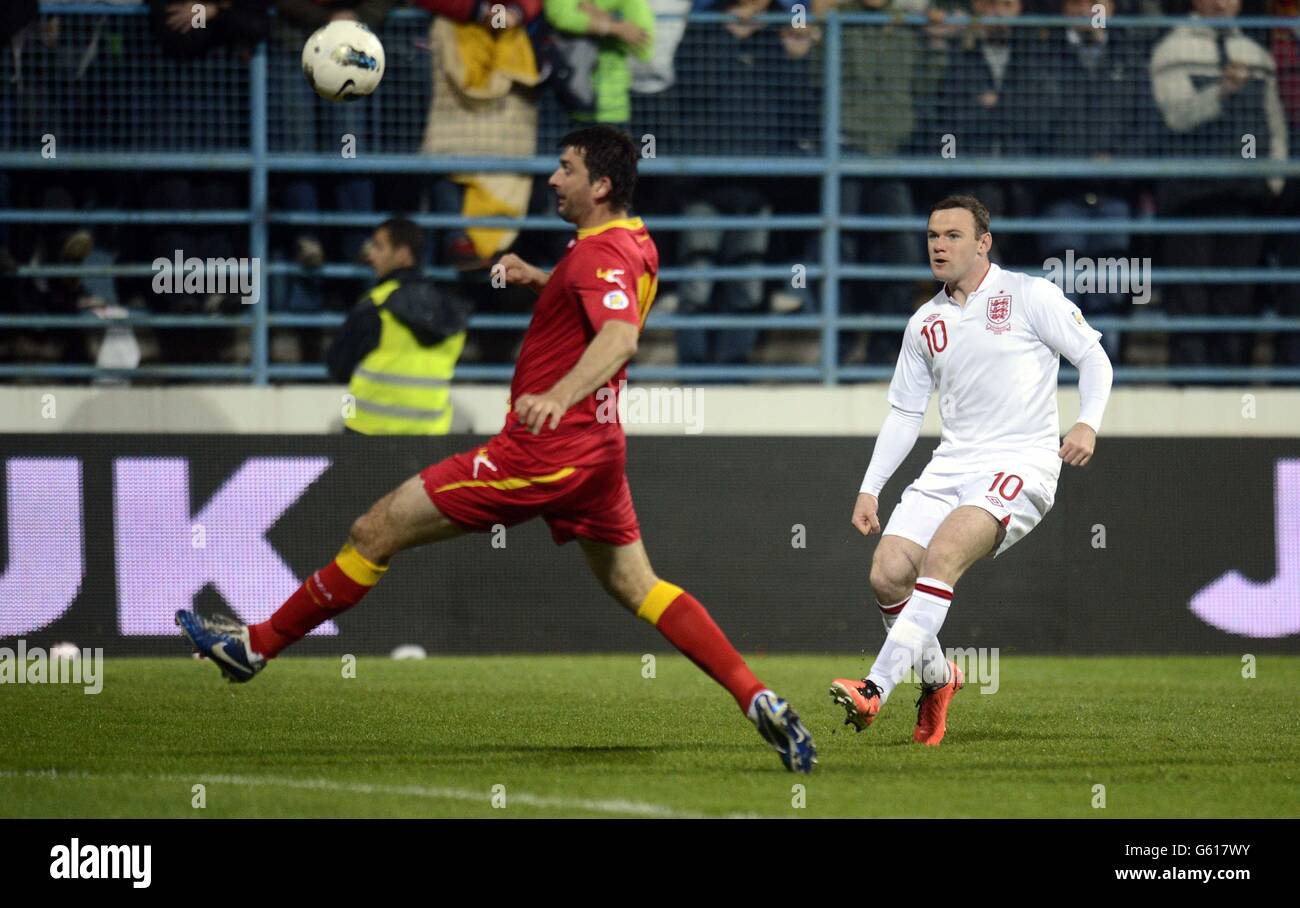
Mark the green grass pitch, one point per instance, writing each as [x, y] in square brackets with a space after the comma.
[589, 736]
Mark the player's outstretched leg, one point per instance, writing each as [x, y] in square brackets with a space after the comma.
[965, 536]
[400, 520]
[625, 572]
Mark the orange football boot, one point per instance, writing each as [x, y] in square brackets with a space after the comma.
[932, 709]
[860, 699]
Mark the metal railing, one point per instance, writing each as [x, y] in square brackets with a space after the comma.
[830, 163]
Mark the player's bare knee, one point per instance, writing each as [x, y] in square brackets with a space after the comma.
[889, 584]
[892, 575]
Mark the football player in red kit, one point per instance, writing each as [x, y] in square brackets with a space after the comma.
[559, 457]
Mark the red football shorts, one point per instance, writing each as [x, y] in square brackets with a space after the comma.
[506, 483]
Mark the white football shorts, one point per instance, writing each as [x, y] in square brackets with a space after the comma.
[1018, 496]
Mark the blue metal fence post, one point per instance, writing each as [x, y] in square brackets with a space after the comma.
[831, 199]
[257, 228]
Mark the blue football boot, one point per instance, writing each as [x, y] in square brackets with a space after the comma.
[224, 642]
[780, 727]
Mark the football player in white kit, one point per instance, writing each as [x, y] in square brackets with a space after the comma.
[990, 341]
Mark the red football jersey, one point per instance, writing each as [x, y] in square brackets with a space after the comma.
[609, 272]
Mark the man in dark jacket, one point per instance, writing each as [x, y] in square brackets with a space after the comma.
[398, 348]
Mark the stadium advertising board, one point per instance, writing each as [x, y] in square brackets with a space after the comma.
[1160, 545]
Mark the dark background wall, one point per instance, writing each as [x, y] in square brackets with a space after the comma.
[718, 515]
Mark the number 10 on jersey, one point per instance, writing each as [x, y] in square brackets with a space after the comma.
[936, 336]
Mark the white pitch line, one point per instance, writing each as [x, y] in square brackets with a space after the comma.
[612, 806]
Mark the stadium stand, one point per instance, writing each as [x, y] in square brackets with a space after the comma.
[791, 154]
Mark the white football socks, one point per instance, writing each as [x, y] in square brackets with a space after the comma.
[932, 668]
[914, 629]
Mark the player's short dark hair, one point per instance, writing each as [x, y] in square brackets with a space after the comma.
[403, 232]
[607, 152]
[971, 204]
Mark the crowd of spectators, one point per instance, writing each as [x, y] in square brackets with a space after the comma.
[500, 78]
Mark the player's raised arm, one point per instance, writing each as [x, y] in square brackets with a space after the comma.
[1061, 326]
[909, 395]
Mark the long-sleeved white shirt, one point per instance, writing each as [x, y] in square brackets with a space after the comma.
[994, 361]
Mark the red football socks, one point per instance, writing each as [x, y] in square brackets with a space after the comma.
[343, 582]
[330, 591]
[679, 616]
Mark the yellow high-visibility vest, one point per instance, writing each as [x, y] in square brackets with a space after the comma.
[402, 388]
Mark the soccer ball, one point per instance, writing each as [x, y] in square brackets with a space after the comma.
[343, 61]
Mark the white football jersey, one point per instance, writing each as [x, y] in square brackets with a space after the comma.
[995, 362]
